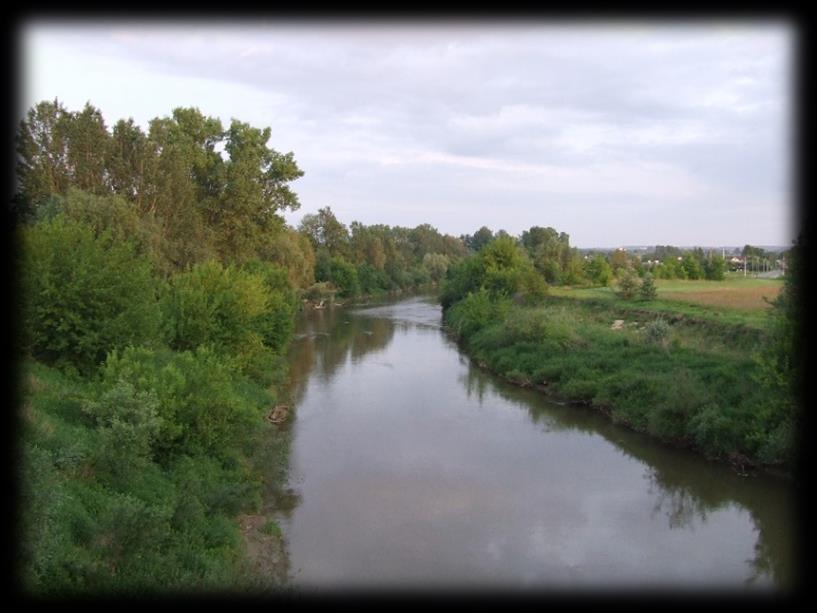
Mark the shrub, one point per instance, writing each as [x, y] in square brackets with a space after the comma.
[476, 312]
[657, 332]
[648, 290]
[628, 284]
[84, 295]
[210, 305]
[128, 424]
[200, 403]
[276, 323]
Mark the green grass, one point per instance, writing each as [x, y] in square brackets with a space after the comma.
[736, 300]
[695, 387]
[152, 527]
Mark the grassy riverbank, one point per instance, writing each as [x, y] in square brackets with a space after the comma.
[694, 389]
[692, 375]
[101, 513]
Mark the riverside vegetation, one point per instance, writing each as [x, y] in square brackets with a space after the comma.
[158, 290]
[726, 388]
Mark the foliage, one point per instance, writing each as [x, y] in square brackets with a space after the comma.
[628, 284]
[200, 403]
[436, 264]
[200, 202]
[780, 362]
[83, 295]
[479, 239]
[714, 268]
[691, 266]
[598, 270]
[502, 268]
[476, 311]
[657, 331]
[648, 291]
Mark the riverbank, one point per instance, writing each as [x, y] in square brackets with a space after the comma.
[99, 516]
[689, 383]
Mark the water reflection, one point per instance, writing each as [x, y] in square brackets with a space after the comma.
[685, 488]
[327, 339]
[410, 466]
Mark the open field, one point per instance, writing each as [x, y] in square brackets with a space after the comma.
[737, 299]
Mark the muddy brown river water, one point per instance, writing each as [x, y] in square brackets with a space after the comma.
[411, 468]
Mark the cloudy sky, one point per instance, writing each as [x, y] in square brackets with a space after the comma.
[618, 134]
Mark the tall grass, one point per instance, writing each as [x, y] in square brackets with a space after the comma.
[702, 396]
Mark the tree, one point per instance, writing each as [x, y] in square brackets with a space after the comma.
[88, 143]
[628, 283]
[132, 165]
[691, 266]
[619, 261]
[42, 155]
[325, 231]
[715, 268]
[648, 290]
[598, 270]
[293, 252]
[549, 250]
[84, 295]
[780, 364]
[256, 190]
[480, 238]
[436, 264]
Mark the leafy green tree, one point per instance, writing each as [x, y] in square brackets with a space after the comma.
[628, 283]
[502, 268]
[691, 266]
[619, 261]
[648, 291]
[214, 305]
[87, 152]
[42, 155]
[781, 366]
[598, 270]
[83, 295]
[293, 252]
[112, 214]
[325, 231]
[480, 238]
[436, 264]
[132, 164]
[256, 190]
[573, 272]
[715, 268]
[344, 276]
[550, 252]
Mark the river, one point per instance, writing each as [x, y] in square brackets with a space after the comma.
[411, 468]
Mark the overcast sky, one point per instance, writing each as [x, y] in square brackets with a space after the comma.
[650, 133]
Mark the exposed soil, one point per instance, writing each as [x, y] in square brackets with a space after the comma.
[268, 560]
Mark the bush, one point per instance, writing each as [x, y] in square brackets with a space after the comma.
[128, 424]
[244, 313]
[648, 290]
[84, 295]
[598, 270]
[476, 312]
[276, 323]
[657, 332]
[502, 268]
[200, 403]
[628, 284]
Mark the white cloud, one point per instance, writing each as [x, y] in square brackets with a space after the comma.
[450, 114]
